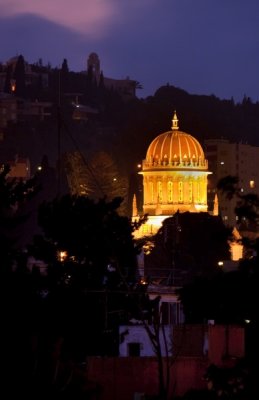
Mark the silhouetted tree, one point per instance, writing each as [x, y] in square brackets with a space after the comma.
[14, 193]
[19, 76]
[188, 245]
[97, 177]
[14, 285]
[101, 82]
[71, 308]
[64, 68]
[7, 84]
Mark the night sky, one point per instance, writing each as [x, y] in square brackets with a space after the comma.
[202, 46]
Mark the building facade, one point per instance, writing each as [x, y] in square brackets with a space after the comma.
[231, 159]
[125, 87]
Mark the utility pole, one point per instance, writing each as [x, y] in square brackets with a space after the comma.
[59, 135]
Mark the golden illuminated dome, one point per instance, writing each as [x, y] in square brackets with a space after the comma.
[175, 149]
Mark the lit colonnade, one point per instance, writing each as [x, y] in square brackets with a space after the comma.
[174, 177]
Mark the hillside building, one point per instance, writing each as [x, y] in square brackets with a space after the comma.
[31, 76]
[234, 159]
[125, 87]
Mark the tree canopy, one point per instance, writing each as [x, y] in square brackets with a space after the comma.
[91, 233]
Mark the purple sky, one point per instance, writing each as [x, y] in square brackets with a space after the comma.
[201, 46]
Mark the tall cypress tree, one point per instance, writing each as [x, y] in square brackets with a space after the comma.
[7, 84]
[19, 76]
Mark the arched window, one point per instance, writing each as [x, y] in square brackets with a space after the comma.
[159, 191]
[151, 188]
[198, 192]
[190, 192]
[180, 191]
[170, 191]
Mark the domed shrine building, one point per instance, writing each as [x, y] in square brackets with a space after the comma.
[174, 177]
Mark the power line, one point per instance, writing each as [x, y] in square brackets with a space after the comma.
[62, 122]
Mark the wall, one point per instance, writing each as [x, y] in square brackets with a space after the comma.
[121, 378]
[138, 334]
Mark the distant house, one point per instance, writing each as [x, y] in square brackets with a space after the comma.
[34, 110]
[8, 110]
[134, 339]
[235, 159]
[125, 87]
[31, 75]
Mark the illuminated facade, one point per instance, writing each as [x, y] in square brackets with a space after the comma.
[174, 177]
[19, 169]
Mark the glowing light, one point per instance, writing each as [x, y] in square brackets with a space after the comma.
[236, 249]
[111, 268]
[39, 168]
[13, 86]
[220, 263]
[148, 247]
[62, 255]
[143, 281]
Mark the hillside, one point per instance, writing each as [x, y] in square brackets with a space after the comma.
[124, 128]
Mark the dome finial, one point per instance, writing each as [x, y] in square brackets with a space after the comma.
[175, 122]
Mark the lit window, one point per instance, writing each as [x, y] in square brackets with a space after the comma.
[170, 191]
[190, 192]
[159, 191]
[198, 192]
[151, 186]
[180, 189]
[145, 228]
[252, 184]
[13, 85]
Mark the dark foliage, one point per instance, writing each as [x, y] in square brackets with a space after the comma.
[19, 76]
[71, 308]
[188, 245]
[14, 195]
